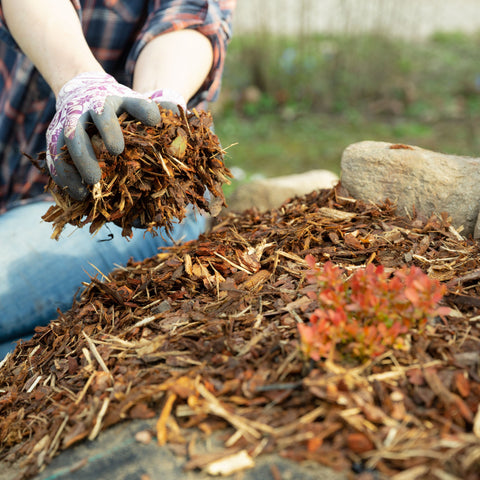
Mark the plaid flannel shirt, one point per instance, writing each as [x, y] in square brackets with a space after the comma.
[116, 31]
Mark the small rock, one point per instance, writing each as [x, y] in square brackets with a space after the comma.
[268, 193]
[415, 178]
[144, 436]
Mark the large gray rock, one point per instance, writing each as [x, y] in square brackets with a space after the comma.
[272, 192]
[413, 177]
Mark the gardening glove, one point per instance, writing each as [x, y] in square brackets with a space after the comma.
[98, 98]
[168, 99]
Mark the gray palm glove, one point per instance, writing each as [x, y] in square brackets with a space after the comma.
[98, 98]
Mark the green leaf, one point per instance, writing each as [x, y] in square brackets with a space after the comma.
[178, 147]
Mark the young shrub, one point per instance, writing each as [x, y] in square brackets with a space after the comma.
[369, 312]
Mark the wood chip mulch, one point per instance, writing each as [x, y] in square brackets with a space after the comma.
[203, 338]
[162, 171]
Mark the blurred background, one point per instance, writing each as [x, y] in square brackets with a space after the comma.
[306, 78]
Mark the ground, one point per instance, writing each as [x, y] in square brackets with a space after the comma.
[202, 343]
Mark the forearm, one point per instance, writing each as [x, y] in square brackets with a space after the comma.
[178, 61]
[50, 35]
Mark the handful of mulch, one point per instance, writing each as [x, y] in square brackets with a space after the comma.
[162, 171]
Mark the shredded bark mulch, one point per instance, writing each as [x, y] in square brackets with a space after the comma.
[162, 170]
[203, 337]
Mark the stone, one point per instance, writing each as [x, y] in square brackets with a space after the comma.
[415, 179]
[268, 193]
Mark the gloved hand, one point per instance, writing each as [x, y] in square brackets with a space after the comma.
[96, 97]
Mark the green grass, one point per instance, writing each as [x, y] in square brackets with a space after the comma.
[316, 97]
[272, 146]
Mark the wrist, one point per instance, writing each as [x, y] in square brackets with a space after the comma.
[179, 60]
[59, 79]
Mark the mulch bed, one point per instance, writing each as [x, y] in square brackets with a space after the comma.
[203, 337]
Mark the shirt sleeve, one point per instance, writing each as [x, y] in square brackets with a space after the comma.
[212, 18]
[5, 35]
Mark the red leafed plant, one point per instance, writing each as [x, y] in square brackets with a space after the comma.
[369, 312]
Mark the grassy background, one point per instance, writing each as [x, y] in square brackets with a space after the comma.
[293, 104]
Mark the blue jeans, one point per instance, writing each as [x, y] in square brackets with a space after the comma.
[38, 275]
